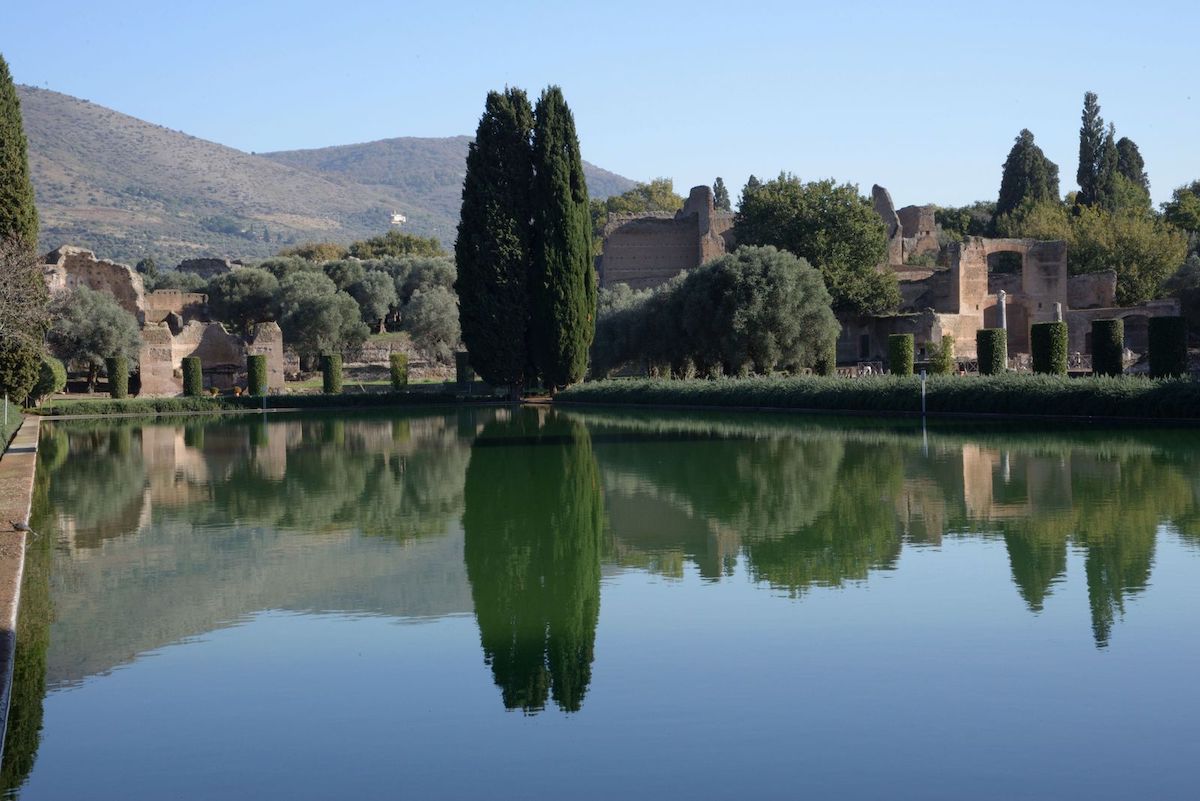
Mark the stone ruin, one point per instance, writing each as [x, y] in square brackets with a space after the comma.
[645, 250]
[174, 325]
[912, 231]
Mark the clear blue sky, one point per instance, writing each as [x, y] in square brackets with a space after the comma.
[924, 98]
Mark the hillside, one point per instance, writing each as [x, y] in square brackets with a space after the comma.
[127, 188]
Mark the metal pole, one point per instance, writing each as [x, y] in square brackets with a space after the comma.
[922, 393]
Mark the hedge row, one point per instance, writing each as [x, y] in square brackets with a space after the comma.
[246, 402]
[1048, 343]
[1008, 394]
[991, 346]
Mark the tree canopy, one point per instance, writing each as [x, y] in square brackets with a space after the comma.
[833, 227]
[1028, 176]
[242, 297]
[89, 327]
[18, 214]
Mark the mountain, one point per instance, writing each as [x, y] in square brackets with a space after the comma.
[128, 189]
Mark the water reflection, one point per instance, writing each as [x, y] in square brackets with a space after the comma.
[533, 520]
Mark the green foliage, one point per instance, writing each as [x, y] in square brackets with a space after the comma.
[833, 228]
[431, 319]
[1108, 347]
[52, 378]
[398, 367]
[563, 280]
[331, 373]
[344, 273]
[315, 317]
[203, 403]
[900, 354]
[19, 367]
[464, 373]
[991, 348]
[721, 195]
[826, 361]
[1029, 177]
[1048, 343]
[89, 327]
[1009, 394]
[23, 297]
[243, 298]
[395, 244]
[1168, 347]
[941, 357]
[174, 279]
[1091, 151]
[1183, 209]
[958, 223]
[193, 377]
[757, 309]
[376, 295]
[147, 267]
[1185, 285]
[492, 249]
[1131, 165]
[18, 215]
[256, 374]
[117, 369]
[316, 251]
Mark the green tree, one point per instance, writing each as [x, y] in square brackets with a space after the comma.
[1028, 176]
[432, 320]
[1183, 209]
[1108, 189]
[316, 251]
[315, 317]
[375, 293]
[492, 248]
[563, 279]
[243, 297]
[344, 273]
[831, 226]
[18, 214]
[957, 223]
[147, 267]
[174, 279]
[721, 195]
[1131, 164]
[1091, 151]
[394, 244]
[88, 327]
[23, 296]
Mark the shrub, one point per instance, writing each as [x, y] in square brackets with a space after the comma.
[398, 364]
[826, 362]
[19, 365]
[991, 347]
[1048, 341]
[256, 374]
[193, 377]
[52, 378]
[117, 368]
[900, 354]
[1108, 347]
[1168, 347]
[941, 357]
[463, 374]
[331, 373]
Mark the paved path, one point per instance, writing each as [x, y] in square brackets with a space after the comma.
[16, 495]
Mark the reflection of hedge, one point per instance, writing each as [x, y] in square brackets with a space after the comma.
[206, 404]
[1108, 347]
[398, 365]
[193, 377]
[1048, 342]
[331, 373]
[1003, 394]
[991, 347]
[117, 368]
[1168, 346]
[256, 374]
[900, 354]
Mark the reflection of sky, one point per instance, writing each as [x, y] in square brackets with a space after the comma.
[932, 676]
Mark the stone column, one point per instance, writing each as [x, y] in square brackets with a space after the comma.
[1003, 310]
[1057, 312]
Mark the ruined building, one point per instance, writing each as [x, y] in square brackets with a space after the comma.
[174, 325]
[645, 250]
[912, 231]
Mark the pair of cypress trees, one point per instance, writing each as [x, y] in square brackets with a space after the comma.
[526, 282]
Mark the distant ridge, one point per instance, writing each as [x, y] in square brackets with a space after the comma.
[128, 189]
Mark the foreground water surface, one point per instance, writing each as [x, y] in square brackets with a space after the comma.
[499, 603]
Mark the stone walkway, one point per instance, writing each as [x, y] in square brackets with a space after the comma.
[16, 495]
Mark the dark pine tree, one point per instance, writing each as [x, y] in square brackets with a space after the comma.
[1131, 164]
[563, 281]
[1107, 189]
[721, 195]
[1091, 150]
[18, 214]
[1028, 176]
[492, 249]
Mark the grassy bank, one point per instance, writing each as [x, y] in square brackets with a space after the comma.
[1005, 394]
[7, 429]
[102, 406]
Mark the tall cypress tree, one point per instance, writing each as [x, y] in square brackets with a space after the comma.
[1107, 174]
[1131, 164]
[720, 195]
[563, 281]
[1028, 176]
[18, 215]
[1091, 150]
[492, 249]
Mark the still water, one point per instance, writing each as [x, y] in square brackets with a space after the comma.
[501, 604]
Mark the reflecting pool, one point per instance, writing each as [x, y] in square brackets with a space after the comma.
[528, 603]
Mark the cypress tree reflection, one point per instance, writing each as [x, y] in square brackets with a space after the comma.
[533, 519]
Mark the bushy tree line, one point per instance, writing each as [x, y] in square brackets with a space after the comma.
[756, 310]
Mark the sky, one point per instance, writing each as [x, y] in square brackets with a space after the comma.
[922, 98]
